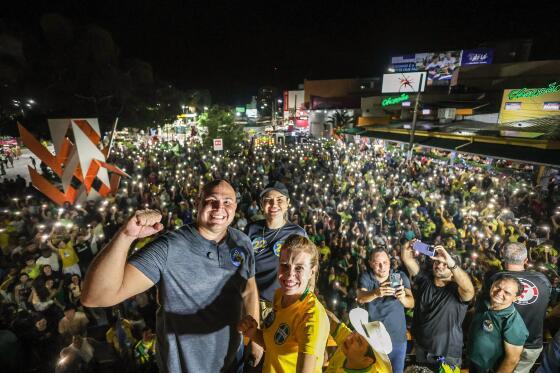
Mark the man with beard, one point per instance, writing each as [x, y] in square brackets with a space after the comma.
[386, 302]
[205, 278]
[441, 302]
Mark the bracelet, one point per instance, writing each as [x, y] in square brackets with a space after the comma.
[454, 267]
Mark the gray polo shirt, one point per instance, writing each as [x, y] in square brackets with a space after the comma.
[389, 310]
[200, 285]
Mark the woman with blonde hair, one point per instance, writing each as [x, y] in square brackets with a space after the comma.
[294, 334]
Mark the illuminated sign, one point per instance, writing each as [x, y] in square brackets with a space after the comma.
[551, 106]
[406, 104]
[251, 113]
[191, 115]
[426, 111]
[394, 100]
[438, 65]
[404, 82]
[512, 106]
[477, 56]
[240, 109]
[528, 92]
[526, 104]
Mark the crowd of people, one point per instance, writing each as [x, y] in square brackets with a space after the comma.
[483, 293]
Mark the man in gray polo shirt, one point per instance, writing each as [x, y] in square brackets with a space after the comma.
[386, 302]
[205, 278]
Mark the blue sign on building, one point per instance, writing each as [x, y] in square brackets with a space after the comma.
[479, 56]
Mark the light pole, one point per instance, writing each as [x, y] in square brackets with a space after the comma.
[414, 117]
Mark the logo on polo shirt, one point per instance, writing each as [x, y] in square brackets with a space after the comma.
[281, 334]
[488, 326]
[236, 257]
[259, 244]
[530, 293]
[277, 246]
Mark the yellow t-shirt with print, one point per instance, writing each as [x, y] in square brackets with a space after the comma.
[301, 327]
[68, 255]
[336, 363]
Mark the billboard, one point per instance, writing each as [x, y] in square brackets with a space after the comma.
[438, 65]
[404, 82]
[251, 113]
[295, 99]
[479, 56]
[524, 104]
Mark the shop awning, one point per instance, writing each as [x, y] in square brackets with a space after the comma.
[540, 152]
[352, 131]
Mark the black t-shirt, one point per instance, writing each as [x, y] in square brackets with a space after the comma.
[438, 315]
[532, 304]
[266, 246]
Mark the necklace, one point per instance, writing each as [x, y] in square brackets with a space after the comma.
[275, 234]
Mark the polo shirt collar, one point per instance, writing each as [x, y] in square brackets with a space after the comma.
[196, 234]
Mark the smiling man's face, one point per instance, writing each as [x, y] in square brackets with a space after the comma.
[216, 209]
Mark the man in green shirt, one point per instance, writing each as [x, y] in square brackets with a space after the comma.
[497, 332]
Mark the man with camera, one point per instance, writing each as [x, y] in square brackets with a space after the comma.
[442, 298]
[387, 293]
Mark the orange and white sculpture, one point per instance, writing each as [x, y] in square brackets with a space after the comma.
[80, 164]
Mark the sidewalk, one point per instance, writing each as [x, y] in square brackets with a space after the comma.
[20, 165]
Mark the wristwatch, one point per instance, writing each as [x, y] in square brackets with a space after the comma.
[454, 267]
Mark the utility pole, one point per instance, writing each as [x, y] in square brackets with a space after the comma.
[414, 117]
[113, 134]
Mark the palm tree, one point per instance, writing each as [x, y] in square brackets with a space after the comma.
[340, 119]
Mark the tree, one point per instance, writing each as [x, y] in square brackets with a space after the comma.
[220, 123]
[73, 70]
[340, 119]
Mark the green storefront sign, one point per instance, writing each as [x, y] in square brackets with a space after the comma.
[533, 92]
[394, 100]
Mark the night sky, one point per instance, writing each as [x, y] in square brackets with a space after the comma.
[234, 47]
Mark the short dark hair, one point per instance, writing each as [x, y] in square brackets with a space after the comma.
[378, 250]
[508, 277]
[206, 188]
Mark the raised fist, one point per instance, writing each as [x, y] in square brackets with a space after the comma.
[143, 223]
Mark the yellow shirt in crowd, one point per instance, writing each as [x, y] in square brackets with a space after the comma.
[302, 327]
[336, 363]
[68, 255]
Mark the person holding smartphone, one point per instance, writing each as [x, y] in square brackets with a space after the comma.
[443, 295]
[387, 293]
